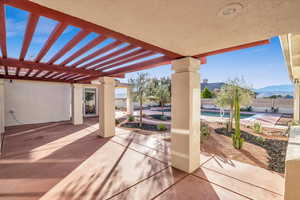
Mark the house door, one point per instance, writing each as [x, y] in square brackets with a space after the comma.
[90, 102]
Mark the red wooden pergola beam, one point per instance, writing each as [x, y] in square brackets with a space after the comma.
[30, 28]
[43, 66]
[73, 77]
[33, 78]
[17, 71]
[84, 49]
[46, 74]
[3, 31]
[73, 42]
[97, 53]
[59, 29]
[120, 58]
[243, 46]
[62, 17]
[111, 55]
[128, 60]
[132, 68]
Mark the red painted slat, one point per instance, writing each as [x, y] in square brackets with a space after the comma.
[6, 70]
[30, 28]
[84, 49]
[62, 17]
[43, 66]
[59, 29]
[17, 71]
[243, 46]
[73, 42]
[140, 66]
[111, 55]
[132, 68]
[34, 79]
[97, 53]
[120, 58]
[3, 31]
[46, 74]
[28, 72]
[128, 60]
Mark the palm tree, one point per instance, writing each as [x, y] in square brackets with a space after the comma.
[140, 86]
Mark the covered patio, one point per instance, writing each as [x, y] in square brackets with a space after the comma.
[63, 161]
[67, 160]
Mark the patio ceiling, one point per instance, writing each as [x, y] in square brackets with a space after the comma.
[121, 55]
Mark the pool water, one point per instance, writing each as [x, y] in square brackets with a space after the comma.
[217, 114]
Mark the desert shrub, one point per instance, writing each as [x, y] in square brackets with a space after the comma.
[257, 127]
[260, 140]
[130, 118]
[161, 127]
[204, 132]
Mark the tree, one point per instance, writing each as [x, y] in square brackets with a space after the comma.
[162, 92]
[225, 98]
[140, 86]
[206, 93]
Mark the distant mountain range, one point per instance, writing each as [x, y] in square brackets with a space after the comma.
[282, 90]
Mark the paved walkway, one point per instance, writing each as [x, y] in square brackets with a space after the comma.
[69, 162]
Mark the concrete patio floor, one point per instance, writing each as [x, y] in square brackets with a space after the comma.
[66, 162]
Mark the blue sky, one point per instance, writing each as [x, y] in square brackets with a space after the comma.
[260, 66]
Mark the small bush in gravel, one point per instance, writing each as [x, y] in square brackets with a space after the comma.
[130, 118]
[204, 131]
[161, 127]
[257, 127]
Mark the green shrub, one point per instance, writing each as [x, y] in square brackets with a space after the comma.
[161, 127]
[204, 132]
[295, 123]
[257, 127]
[260, 140]
[130, 118]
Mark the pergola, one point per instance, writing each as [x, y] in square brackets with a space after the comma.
[134, 57]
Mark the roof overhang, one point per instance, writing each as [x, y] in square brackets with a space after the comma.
[290, 44]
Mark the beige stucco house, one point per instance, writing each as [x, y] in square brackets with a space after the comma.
[183, 33]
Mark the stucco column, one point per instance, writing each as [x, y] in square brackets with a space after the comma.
[107, 107]
[129, 101]
[296, 100]
[2, 125]
[77, 104]
[185, 131]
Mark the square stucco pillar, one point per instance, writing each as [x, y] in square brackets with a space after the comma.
[185, 131]
[296, 100]
[2, 125]
[129, 101]
[77, 104]
[107, 107]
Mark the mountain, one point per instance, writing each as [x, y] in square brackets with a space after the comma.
[274, 88]
[282, 90]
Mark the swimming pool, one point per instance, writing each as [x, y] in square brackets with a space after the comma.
[217, 114]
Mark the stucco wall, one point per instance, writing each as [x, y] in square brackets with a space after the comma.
[36, 102]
